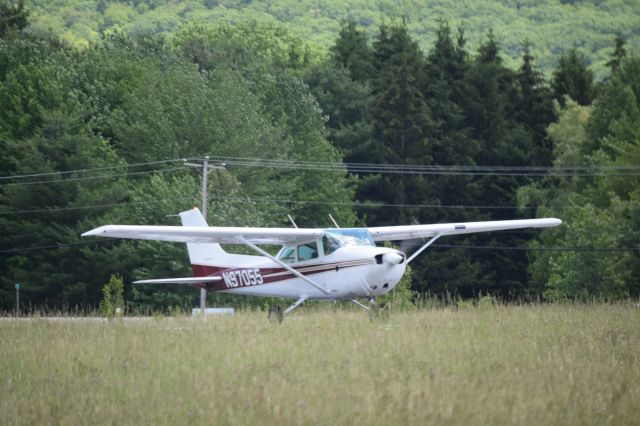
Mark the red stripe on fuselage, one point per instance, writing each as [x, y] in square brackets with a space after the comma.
[266, 275]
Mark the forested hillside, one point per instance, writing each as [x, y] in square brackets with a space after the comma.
[548, 26]
[377, 130]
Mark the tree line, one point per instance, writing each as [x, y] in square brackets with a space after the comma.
[389, 102]
[97, 135]
[549, 26]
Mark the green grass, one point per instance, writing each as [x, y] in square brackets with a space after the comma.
[552, 364]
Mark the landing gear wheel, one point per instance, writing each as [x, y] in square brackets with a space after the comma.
[379, 312]
[275, 313]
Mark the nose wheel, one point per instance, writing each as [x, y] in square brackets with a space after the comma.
[378, 311]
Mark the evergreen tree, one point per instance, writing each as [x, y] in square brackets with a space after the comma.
[492, 106]
[445, 91]
[619, 53]
[346, 103]
[572, 78]
[534, 110]
[351, 51]
[400, 123]
[341, 87]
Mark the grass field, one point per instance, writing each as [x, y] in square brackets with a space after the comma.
[487, 365]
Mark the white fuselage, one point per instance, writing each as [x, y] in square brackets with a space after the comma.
[347, 273]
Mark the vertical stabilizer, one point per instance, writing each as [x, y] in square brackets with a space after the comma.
[201, 253]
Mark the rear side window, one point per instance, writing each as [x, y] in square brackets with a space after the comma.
[307, 252]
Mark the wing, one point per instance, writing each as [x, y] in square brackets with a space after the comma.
[397, 233]
[198, 234]
[188, 280]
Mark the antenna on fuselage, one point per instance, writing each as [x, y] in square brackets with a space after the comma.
[292, 221]
[334, 221]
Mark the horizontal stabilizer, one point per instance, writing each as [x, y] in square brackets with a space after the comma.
[187, 280]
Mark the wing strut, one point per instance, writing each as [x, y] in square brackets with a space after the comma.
[366, 308]
[421, 249]
[295, 305]
[285, 266]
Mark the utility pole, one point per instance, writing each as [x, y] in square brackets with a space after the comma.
[17, 285]
[205, 166]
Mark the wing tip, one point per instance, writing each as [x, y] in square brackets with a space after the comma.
[94, 232]
[551, 221]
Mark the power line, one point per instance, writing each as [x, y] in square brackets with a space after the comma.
[56, 246]
[386, 168]
[288, 201]
[43, 174]
[432, 169]
[98, 206]
[447, 246]
[92, 177]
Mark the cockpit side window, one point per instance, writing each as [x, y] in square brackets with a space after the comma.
[288, 255]
[329, 244]
[307, 251]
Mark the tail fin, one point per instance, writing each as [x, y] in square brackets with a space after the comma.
[201, 253]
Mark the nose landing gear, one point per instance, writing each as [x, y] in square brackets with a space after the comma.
[378, 312]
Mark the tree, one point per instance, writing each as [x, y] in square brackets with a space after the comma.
[400, 118]
[346, 104]
[13, 16]
[572, 78]
[600, 212]
[500, 118]
[112, 296]
[588, 272]
[534, 110]
[619, 53]
[98, 121]
[445, 90]
[351, 51]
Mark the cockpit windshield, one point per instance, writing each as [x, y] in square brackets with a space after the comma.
[333, 239]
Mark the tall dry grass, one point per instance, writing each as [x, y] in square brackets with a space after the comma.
[555, 364]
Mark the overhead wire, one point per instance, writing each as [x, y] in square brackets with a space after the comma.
[430, 169]
[64, 172]
[386, 168]
[288, 201]
[332, 166]
[57, 246]
[173, 169]
[447, 246]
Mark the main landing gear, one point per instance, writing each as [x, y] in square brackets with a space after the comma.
[376, 311]
[276, 314]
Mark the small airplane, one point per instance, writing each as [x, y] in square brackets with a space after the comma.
[313, 263]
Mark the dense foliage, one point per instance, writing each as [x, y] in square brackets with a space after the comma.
[97, 135]
[550, 27]
[106, 115]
